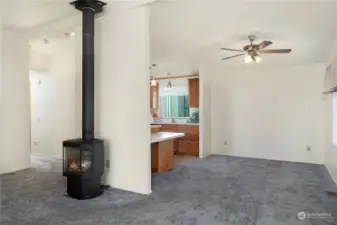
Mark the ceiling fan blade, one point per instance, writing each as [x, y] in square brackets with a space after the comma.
[230, 49]
[271, 51]
[264, 44]
[233, 56]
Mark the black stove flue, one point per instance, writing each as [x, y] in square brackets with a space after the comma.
[83, 159]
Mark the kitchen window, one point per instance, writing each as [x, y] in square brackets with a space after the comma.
[174, 106]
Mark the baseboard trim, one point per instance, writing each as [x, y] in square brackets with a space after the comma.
[15, 170]
[331, 175]
[145, 193]
[268, 158]
[43, 156]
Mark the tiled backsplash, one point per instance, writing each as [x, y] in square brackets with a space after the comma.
[193, 110]
[177, 120]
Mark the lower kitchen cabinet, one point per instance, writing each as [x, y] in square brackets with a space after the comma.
[187, 145]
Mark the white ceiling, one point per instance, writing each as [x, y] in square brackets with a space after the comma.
[46, 19]
[26, 14]
[187, 33]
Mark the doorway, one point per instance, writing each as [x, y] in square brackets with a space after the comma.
[52, 94]
[174, 102]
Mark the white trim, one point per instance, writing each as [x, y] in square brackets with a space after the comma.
[331, 174]
[43, 156]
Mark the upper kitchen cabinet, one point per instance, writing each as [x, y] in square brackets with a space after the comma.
[193, 93]
[154, 96]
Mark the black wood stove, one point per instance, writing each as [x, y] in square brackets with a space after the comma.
[83, 158]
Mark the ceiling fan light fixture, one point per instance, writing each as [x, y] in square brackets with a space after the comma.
[248, 58]
[257, 59]
[153, 82]
[251, 51]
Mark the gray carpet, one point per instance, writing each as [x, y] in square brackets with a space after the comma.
[217, 190]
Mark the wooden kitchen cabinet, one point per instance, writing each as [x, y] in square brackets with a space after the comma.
[187, 145]
[193, 93]
[162, 156]
[154, 96]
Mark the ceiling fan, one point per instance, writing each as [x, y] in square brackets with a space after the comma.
[252, 51]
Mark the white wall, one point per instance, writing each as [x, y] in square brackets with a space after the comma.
[271, 113]
[39, 61]
[205, 144]
[14, 103]
[330, 147]
[53, 104]
[122, 95]
[1, 59]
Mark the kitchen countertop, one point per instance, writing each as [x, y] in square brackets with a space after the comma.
[164, 136]
[168, 123]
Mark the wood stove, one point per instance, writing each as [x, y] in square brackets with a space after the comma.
[83, 158]
[83, 165]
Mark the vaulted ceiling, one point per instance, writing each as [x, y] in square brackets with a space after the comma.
[26, 14]
[185, 33]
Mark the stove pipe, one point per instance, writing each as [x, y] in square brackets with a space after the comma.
[89, 8]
